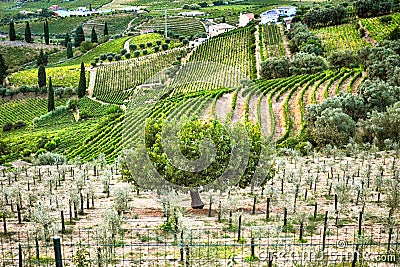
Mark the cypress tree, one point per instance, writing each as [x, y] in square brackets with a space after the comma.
[42, 59]
[105, 29]
[79, 36]
[82, 82]
[50, 97]
[41, 76]
[46, 32]
[11, 33]
[94, 38]
[70, 53]
[67, 39]
[28, 33]
[3, 69]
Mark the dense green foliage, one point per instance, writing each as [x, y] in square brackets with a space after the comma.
[79, 36]
[372, 8]
[82, 82]
[325, 16]
[28, 33]
[50, 97]
[46, 32]
[3, 69]
[11, 32]
[41, 76]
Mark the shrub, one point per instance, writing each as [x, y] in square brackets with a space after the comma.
[158, 42]
[19, 124]
[136, 54]
[50, 146]
[9, 92]
[85, 46]
[40, 151]
[50, 159]
[142, 46]
[164, 46]
[103, 57]
[132, 47]
[156, 49]
[59, 92]
[145, 52]
[26, 152]
[127, 55]
[149, 44]
[114, 109]
[24, 89]
[2, 91]
[7, 127]
[123, 51]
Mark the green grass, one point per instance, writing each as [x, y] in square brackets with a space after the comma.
[61, 76]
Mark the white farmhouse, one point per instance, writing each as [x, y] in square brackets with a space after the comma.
[288, 11]
[216, 29]
[244, 19]
[197, 42]
[272, 16]
[269, 16]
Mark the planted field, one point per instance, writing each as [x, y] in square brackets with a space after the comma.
[116, 23]
[19, 53]
[378, 28]
[177, 25]
[112, 46]
[24, 110]
[341, 38]
[61, 76]
[130, 73]
[233, 49]
[309, 202]
[271, 44]
[59, 26]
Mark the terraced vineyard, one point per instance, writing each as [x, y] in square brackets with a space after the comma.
[116, 23]
[379, 30]
[271, 44]
[24, 109]
[178, 25]
[233, 49]
[341, 38]
[56, 26]
[279, 105]
[130, 73]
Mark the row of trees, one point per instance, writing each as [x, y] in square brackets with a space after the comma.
[28, 34]
[325, 16]
[372, 8]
